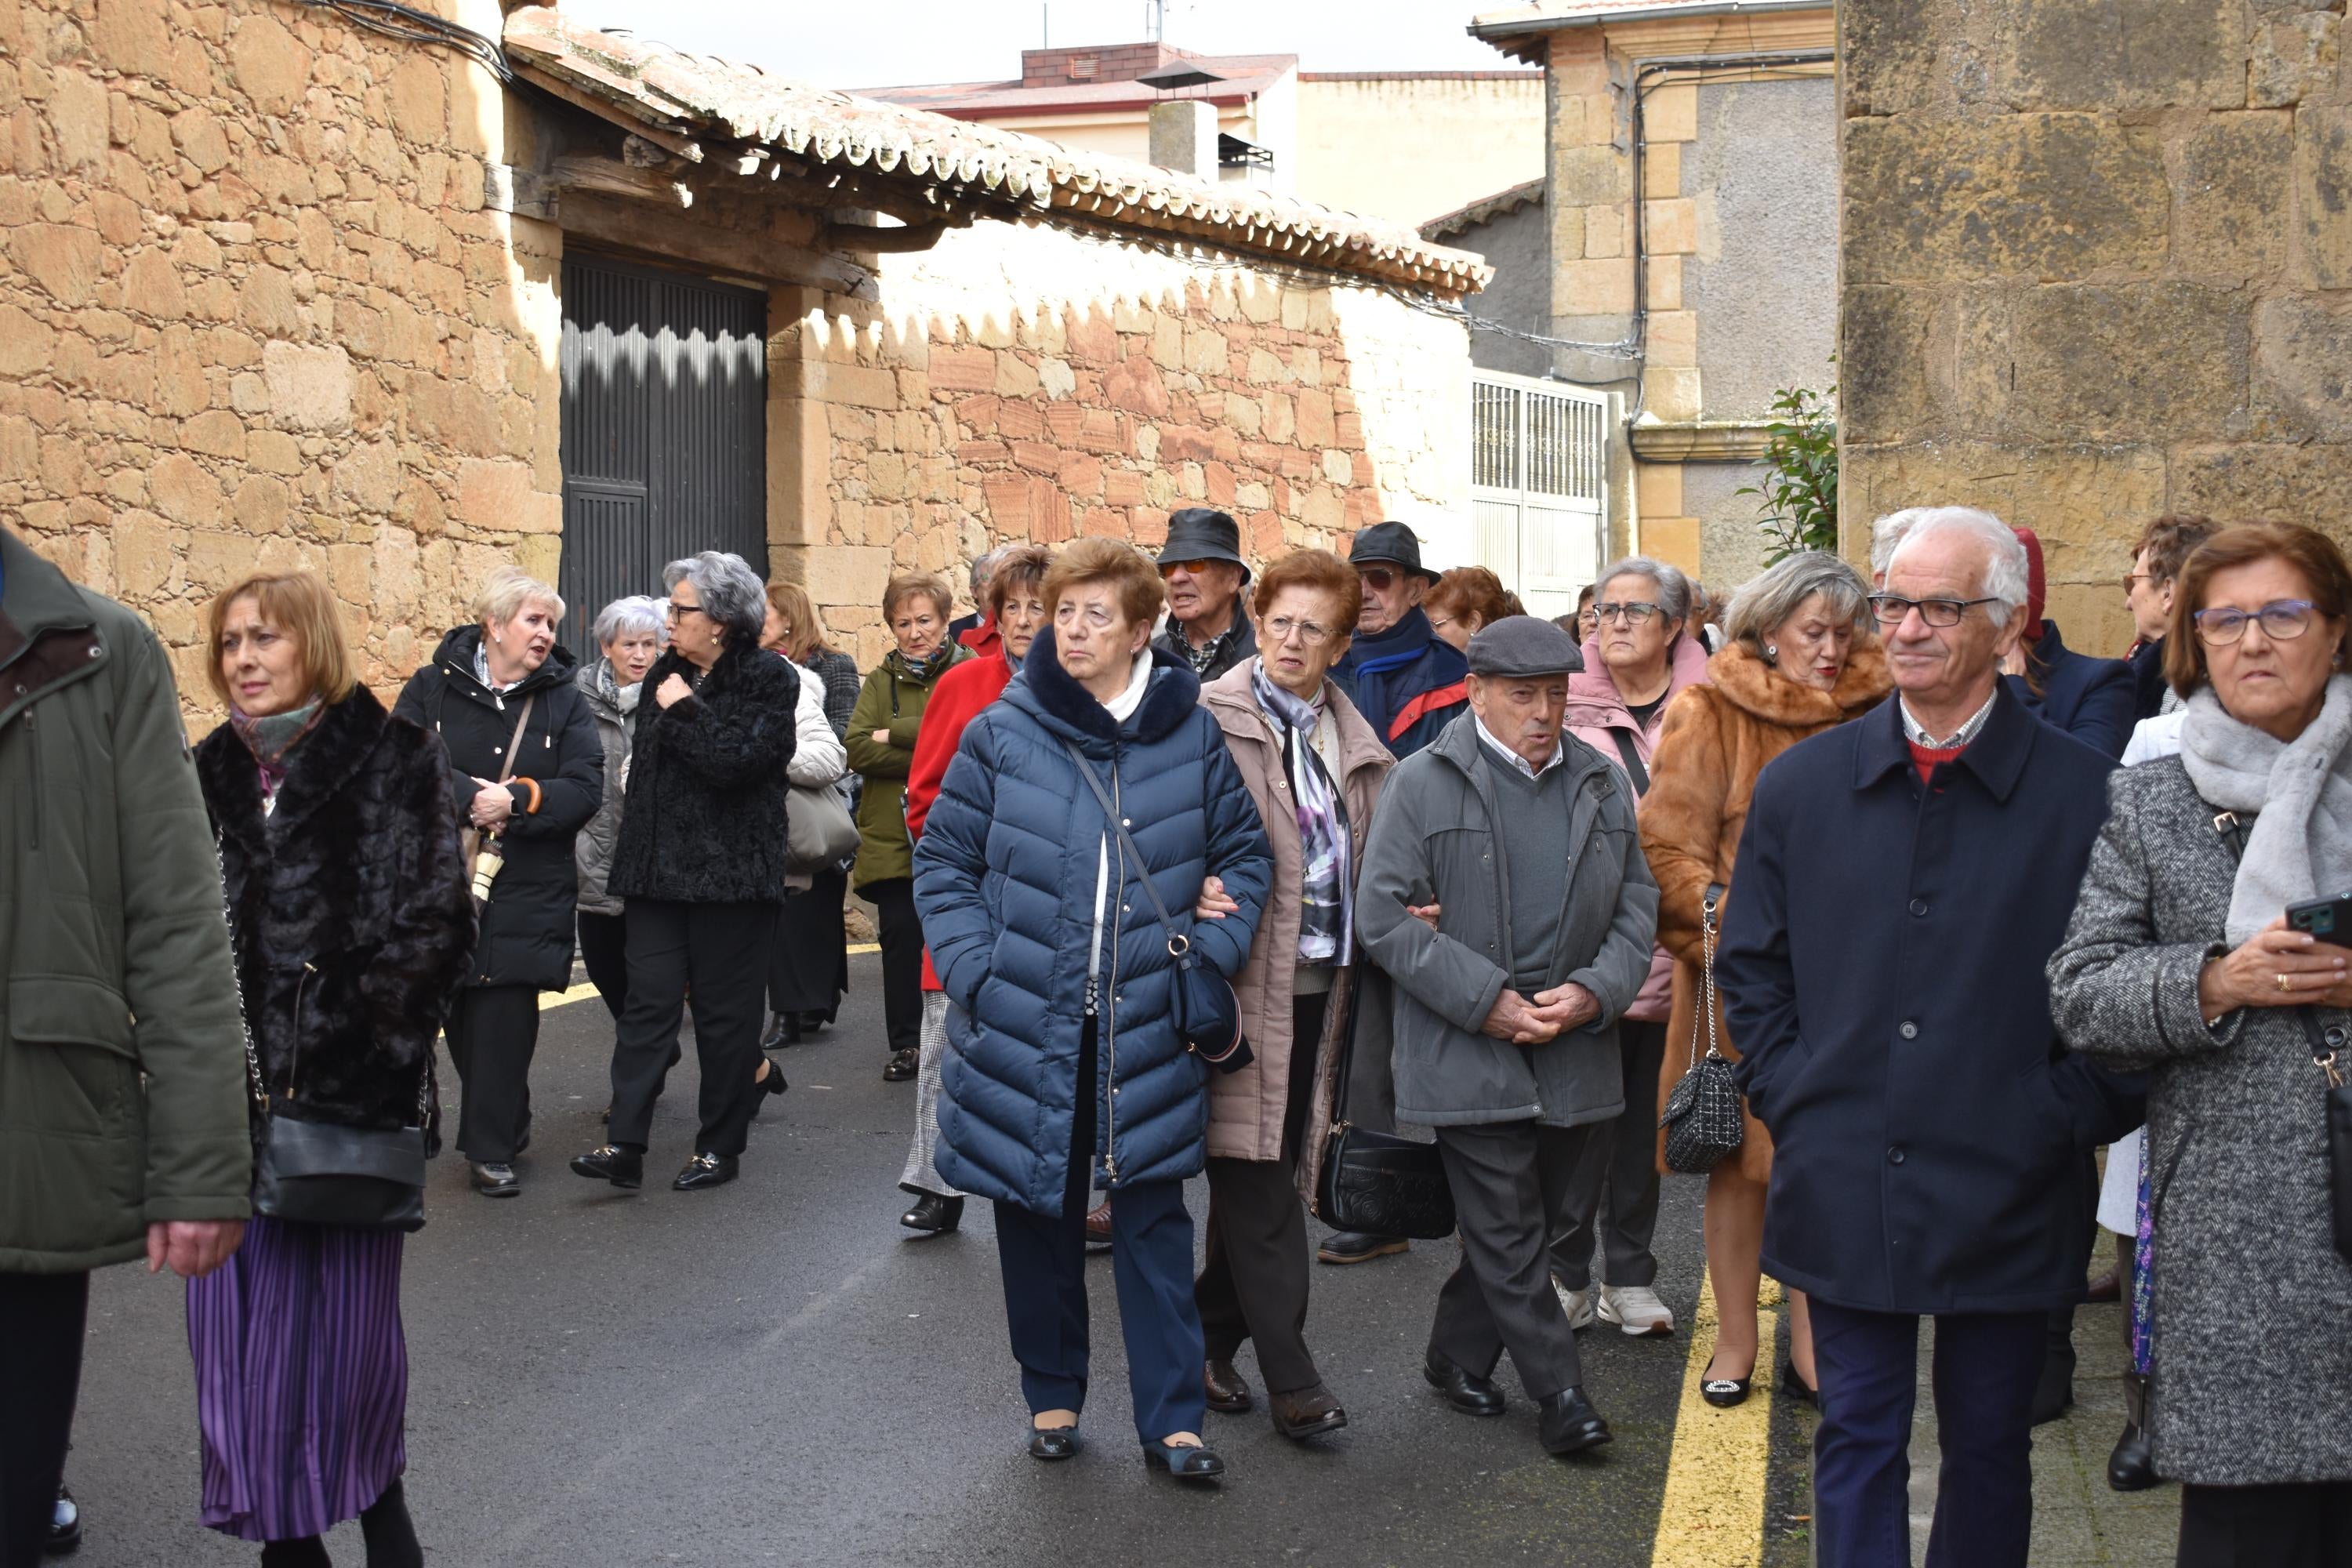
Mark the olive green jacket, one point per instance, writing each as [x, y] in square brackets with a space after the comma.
[892, 699]
[122, 1076]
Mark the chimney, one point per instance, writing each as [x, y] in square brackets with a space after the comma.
[1184, 136]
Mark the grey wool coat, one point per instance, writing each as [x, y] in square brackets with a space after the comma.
[1439, 834]
[2252, 1329]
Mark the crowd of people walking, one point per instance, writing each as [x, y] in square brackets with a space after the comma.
[1869, 898]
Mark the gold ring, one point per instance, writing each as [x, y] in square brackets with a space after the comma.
[2284, 982]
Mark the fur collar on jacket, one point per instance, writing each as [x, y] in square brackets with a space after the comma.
[1756, 688]
[1055, 697]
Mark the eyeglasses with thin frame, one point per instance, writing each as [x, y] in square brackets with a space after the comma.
[2283, 621]
[1278, 630]
[1894, 609]
[1635, 614]
[2133, 579]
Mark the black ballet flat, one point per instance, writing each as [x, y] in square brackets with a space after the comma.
[1796, 1387]
[773, 1084]
[1051, 1443]
[1724, 1393]
[933, 1215]
[1185, 1464]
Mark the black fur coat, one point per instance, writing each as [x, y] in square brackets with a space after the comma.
[703, 821]
[348, 908]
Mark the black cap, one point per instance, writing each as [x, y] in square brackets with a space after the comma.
[1517, 646]
[1393, 543]
[1203, 533]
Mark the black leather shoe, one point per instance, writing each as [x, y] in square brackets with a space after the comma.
[1725, 1392]
[64, 1527]
[901, 1065]
[933, 1215]
[1793, 1384]
[2132, 1467]
[707, 1171]
[1306, 1413]
[1227, 1392]
[607, 1163]
[773, 1083]
[1357, 1247]
[1470, 1394]
[782, 1030]
[1569, 1424]
[1052, 1443]
[1193, 1464]
[494, 1179]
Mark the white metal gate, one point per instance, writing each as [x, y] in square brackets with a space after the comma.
[1538, 485]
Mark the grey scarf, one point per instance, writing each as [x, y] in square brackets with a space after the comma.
[2297, 792]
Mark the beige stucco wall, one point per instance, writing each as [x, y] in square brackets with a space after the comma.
[1409, 149]
[1026, 383]
[253, 313]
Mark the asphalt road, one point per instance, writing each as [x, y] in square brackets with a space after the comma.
[774, 1372]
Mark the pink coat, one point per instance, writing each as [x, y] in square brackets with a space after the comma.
[1596, 715]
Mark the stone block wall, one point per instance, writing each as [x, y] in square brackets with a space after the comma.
[253, 313]
[2096, 265]
[1021, 383]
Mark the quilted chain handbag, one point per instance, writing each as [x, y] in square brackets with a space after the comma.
[1704, 1119]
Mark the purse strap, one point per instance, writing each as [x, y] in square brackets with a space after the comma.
[1710, 909]
[514, 742]
[2324, 1042]
[1179, 944]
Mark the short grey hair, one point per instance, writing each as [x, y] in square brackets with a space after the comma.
[732, 594]
[1887, 533]
[2005, 572]
[983, 566]
[1766, 604]
[1674, 588]
[635, 616]
[507, 590]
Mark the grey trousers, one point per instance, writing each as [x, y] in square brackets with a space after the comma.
[1616, 1190]
[1510, 1183]
[921, 1174]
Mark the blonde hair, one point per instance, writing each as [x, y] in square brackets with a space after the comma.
[1141, 595]
[296, 605]
[806, 637]
[507, 590]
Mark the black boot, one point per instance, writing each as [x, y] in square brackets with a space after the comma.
[784, 1029]
[933, 1215]
[303, 1552]
[390, 1534]
[2132, 1467]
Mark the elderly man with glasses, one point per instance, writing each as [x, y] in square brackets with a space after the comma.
[1902, 880]
[1404, 678]
[1202, 568]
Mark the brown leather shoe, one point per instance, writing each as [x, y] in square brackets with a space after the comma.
[1307, 1413]
[1228, 1393]
[1099, 1225]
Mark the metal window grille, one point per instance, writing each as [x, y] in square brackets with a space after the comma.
[1538, 485]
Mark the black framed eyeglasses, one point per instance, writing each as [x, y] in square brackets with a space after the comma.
[677, 610]
[2283, 621]
[1636, 613]
[1894, 609]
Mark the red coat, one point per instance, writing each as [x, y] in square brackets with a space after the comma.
[963, 692]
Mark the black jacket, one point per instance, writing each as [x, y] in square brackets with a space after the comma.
[1241, 647]
[1882, 971]
[348, 910]
[527, 926]
[2148, 686]
[704, 819]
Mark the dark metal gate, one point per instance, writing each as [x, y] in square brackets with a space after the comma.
[664, 430]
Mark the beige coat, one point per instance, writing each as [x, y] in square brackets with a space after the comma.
[1246, 1108]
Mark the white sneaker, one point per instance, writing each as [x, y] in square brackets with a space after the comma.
[1577, 1304]
[1635, 1310]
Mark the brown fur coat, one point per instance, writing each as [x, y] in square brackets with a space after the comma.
[1716, 740]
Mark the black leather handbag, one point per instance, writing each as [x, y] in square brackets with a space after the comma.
[1704, 1117]
[1207, 1015]
[1378, 1182]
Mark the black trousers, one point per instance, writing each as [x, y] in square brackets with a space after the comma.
[810, 971]
[42, 1317]
[716, 953]
[493, 1031]
[902, 960]
[1616, 1192]
[2306, 1526]
[604, 954]
[1510, 1183]
[1253, 1283]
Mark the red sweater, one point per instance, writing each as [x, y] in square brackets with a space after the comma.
[963, 692]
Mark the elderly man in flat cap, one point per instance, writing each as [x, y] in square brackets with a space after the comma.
[1504, 894]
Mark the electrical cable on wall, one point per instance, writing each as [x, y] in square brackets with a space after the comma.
[394, 20]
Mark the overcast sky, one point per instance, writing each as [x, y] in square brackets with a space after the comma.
[889, 43]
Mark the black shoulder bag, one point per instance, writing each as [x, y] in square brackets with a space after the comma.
[1207, 1015]
[1378, 1182]
[1703, 1115]
[2324, 1043]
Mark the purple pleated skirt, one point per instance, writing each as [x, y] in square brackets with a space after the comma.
[301, 1378]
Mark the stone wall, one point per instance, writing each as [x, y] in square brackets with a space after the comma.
[2096, 265]
[253, 313]
[1517, 245]
[1028, 383]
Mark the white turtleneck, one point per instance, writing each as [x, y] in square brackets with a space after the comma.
[1121, 709]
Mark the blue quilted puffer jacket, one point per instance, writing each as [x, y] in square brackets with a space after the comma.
[1005, 876]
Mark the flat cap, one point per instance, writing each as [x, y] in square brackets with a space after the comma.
[1521, 645]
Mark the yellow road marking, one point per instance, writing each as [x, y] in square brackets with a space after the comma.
[580, 992]
[1712, 1515]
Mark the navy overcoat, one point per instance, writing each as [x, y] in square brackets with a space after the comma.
[1882, 968]
[1005, 880]
[2093, 699]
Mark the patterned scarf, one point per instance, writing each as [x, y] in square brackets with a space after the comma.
[271, 736]
[1326, 885]
[922, 672]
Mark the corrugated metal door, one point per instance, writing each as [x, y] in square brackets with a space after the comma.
[1538, 485]
[665, 429]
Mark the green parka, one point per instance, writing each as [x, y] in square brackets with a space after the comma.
[122, 1076]
[893, 699]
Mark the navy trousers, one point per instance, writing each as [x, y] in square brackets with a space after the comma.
[1985, 1366]
[1044, 1260]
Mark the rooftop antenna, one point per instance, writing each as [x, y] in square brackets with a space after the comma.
[1155, 19]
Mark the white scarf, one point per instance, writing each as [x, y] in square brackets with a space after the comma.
[2298, 794]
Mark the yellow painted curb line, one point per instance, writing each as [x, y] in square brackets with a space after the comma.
[551, 999]
[1712, 1515]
